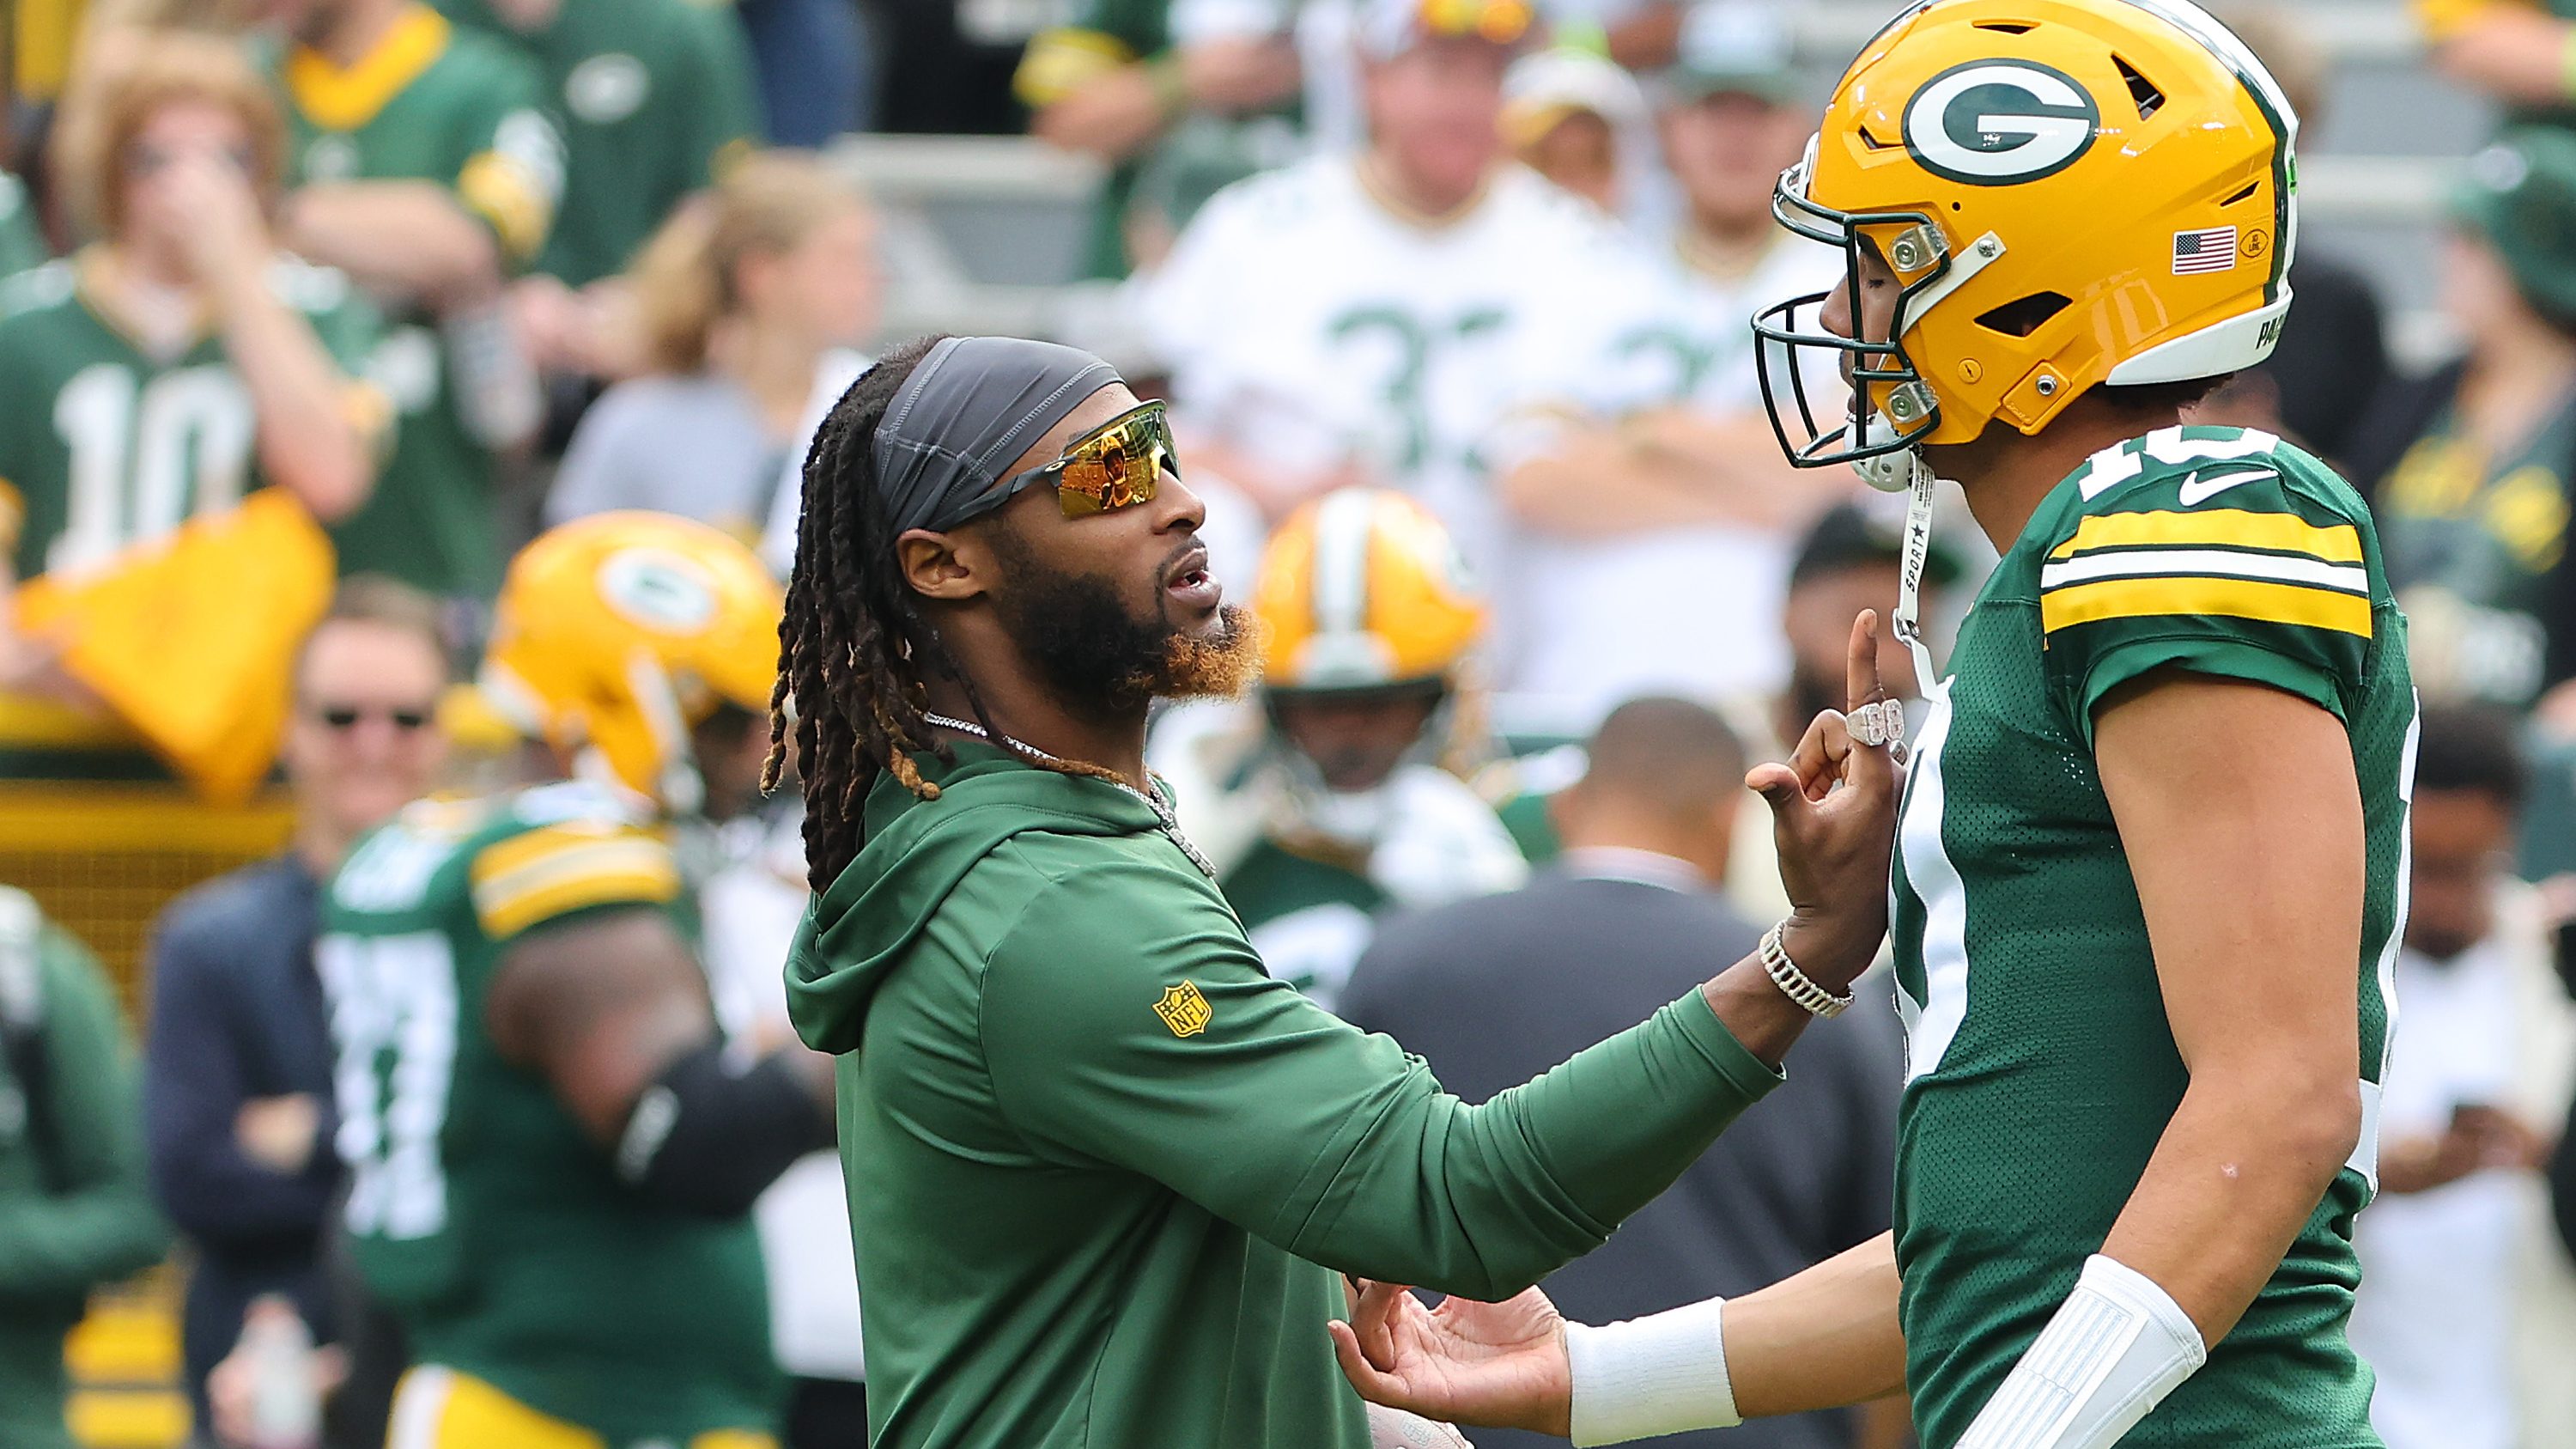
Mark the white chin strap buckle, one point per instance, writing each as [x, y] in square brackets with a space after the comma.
[1890, 472]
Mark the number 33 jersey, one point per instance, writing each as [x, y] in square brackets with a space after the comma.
[478, 1207]
[2041, 1069]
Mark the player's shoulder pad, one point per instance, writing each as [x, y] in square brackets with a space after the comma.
[2206, 521]
[562, 848]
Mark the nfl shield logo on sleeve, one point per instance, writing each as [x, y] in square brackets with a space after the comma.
[2210, 250]
[1184, 1010]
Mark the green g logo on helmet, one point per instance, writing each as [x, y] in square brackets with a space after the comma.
[1998, 122]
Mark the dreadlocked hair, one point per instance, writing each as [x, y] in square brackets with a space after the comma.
[851, 647]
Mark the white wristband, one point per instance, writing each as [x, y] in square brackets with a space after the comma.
[1661, 1374]
[2111, 1353]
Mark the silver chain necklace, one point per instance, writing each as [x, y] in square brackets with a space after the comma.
[1153, 800]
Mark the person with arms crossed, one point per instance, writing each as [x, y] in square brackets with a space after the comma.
[552, 1157]
[1103, 1164]
[2150, 874]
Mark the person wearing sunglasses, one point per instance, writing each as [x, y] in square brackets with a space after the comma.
[237, 1068]
[1105, 1168]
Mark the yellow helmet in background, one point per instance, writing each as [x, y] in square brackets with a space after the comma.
[615, 634]
[2072, 193]
[1362, 589]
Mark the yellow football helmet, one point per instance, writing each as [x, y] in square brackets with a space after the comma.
[2071, 193]
[617, 633]
[1362, 589]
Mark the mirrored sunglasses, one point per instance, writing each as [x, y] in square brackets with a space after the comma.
[1116, 465]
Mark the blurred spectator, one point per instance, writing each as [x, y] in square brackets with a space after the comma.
[182, 360]
[1669, 499]
[655, 98]
[1114, 83]
[1328, 798]
[2439, 1245]
[22, 239]
[749, 304]
[816, 66]
[1576, 118]
[2513, 50]
[237, 1069]
[1331, 38]
[1491, 991]
[426, 168]
[75, 1203]
[2332, 358]
[2471, 467]
[1373, 317]
[946, 70]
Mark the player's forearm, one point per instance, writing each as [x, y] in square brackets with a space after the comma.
[2243, 1164]
[1823, 1339]
[311, 441]
[409, 238]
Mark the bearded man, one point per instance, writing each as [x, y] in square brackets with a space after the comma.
[1102, 1165]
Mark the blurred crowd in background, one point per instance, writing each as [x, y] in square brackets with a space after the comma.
[312, 310]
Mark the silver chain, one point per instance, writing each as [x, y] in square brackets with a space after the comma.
[1153, 801]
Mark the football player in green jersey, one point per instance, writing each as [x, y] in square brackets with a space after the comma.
[425, 166]
[551, 1153]
[182, 360]
[2151, 871]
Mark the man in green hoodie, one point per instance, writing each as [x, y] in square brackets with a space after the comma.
[75, 1196]
[1102, 1164]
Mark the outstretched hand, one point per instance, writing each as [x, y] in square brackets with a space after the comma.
[1496, 1364]
[1833, 813]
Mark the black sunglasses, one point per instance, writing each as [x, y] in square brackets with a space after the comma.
[345, 717]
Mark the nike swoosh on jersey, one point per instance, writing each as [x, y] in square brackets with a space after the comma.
[2196, 492]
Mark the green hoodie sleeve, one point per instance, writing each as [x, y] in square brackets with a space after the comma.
[104, 1226]
[1126, 1021]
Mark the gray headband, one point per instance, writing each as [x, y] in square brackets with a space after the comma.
[970, 409]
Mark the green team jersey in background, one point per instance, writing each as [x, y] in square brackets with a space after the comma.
[76, 1204]
[654, 97]
[22, 243]
[1102, 1166]
[462, 110]
[110, 446]
[2041, 1069]
[478, 1208]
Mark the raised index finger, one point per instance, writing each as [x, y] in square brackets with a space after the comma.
[1871, 767]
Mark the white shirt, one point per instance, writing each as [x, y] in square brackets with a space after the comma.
[1692, 611]
[1307, 324]
[2434, 1316]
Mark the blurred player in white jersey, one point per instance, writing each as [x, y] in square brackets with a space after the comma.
[1662, 500]
[1368, 317]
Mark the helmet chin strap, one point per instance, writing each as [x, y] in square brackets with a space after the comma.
[1908, 623]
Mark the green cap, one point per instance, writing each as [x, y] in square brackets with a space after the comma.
[1732, 47]
[2519, 196]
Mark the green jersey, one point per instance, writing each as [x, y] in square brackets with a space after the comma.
[2477, 550]
[113, 445]
[22, 244]
[1103, 1165]
[2041, 1069]
[461, 110]
[653, 95]
[478, 1208]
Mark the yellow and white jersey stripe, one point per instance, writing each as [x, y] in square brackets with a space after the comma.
[2232, 562]
[533, 877]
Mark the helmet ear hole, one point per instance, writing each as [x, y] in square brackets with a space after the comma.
[2024, 315]
[2141, 90]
